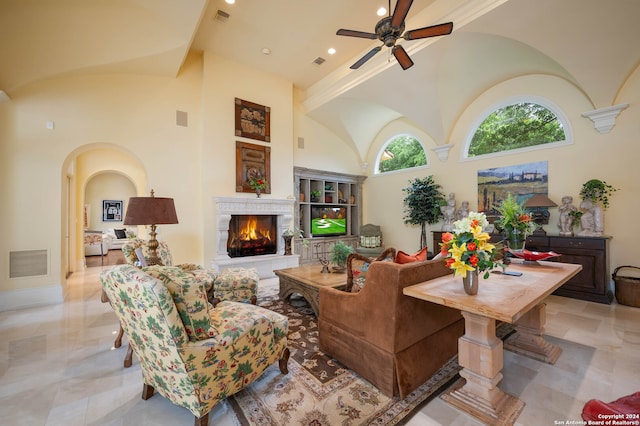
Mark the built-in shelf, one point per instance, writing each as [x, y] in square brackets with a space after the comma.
[317, 189]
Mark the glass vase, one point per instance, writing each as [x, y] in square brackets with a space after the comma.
[258, 192]
[515, 240]
[471, 282]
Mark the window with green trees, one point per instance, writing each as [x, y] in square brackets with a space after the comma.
[401, 152]
[515, 126]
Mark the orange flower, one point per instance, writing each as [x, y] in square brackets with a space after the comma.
[446, 237]
[524, 218]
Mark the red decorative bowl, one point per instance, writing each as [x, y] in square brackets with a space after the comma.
[532, 256]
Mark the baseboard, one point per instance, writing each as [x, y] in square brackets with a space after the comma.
[28, 298]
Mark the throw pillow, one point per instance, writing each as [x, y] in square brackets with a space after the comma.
[358, 266]
[120, 233]
[370, 242]
[189, 295]
[403, 257]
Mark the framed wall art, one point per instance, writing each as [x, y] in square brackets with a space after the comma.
[523, 181]
[112, 210]
[252, 162]
[253, 121]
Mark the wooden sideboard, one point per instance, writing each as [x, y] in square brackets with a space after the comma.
[592, 283]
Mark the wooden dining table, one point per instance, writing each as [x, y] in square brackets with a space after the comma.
[518, 300]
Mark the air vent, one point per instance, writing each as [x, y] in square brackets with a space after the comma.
[221, 16]
[319, 60]
[28, 263]
[182, 118]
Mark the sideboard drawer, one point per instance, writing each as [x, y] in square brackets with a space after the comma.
[581, 243]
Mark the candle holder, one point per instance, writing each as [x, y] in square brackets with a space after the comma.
[323, 261]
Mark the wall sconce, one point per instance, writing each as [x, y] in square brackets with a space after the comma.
[539, 205]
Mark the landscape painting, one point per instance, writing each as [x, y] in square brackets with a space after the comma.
[522, 181]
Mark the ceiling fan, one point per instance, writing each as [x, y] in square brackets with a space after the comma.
[390, 29]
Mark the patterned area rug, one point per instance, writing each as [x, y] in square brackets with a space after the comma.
[318, 390]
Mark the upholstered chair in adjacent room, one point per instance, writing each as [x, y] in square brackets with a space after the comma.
[189, 351]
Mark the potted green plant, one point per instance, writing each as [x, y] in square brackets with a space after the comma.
[597, 191]
[422, 204]
[514, 222]
[339, 253]
[315, 196]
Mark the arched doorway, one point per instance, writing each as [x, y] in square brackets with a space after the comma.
[79, 168]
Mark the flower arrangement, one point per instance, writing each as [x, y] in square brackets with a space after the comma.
[468, 247]
[258, 183]
[514, 218]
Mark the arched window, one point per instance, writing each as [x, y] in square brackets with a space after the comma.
[519, 125]
[401, 152]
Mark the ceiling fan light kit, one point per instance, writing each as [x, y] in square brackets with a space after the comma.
[389, 29]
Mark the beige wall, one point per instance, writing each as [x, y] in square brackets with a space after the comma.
[612, 157]
[127, 124]
[106, 186]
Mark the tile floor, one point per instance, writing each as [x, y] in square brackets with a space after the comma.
[57, 368]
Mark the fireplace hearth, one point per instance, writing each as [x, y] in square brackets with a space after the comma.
[281, 213]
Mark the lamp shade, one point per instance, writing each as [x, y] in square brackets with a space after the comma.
[150, 211]
[539, 200]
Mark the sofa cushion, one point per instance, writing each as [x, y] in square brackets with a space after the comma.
[120, 233]
[403, 257]
[190, 298]
[358, 266]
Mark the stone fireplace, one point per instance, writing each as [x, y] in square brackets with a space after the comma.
[252, 235]
[275, 214]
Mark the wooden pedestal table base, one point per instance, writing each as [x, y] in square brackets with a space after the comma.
[528, 340]
[515, 300]
[480, 352]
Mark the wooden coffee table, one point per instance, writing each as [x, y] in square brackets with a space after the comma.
[516, 300]
[307, 280]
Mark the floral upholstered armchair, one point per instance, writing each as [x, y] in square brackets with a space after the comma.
[189, 351]
[163, 252]
[204, 276]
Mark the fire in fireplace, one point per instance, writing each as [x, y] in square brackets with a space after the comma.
[252, 235]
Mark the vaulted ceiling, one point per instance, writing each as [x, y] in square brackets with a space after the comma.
[591, 43]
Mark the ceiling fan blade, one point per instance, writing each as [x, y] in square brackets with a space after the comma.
[365, 58]
[401, 55]
[400, 12]
[432, 31]
[352, 33]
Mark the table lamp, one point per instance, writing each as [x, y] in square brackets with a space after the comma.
[151, 211]
[539, 205]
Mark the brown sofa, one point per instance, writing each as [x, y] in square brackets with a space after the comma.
[394, 341]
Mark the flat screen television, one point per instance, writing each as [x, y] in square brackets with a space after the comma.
[328, 221]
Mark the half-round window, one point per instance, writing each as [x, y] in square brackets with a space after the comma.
[401, 152]
[519, 126]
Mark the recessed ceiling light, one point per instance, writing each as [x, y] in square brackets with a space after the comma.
[331, 51]
[230, 1]
[266, 51]
[382, 11]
